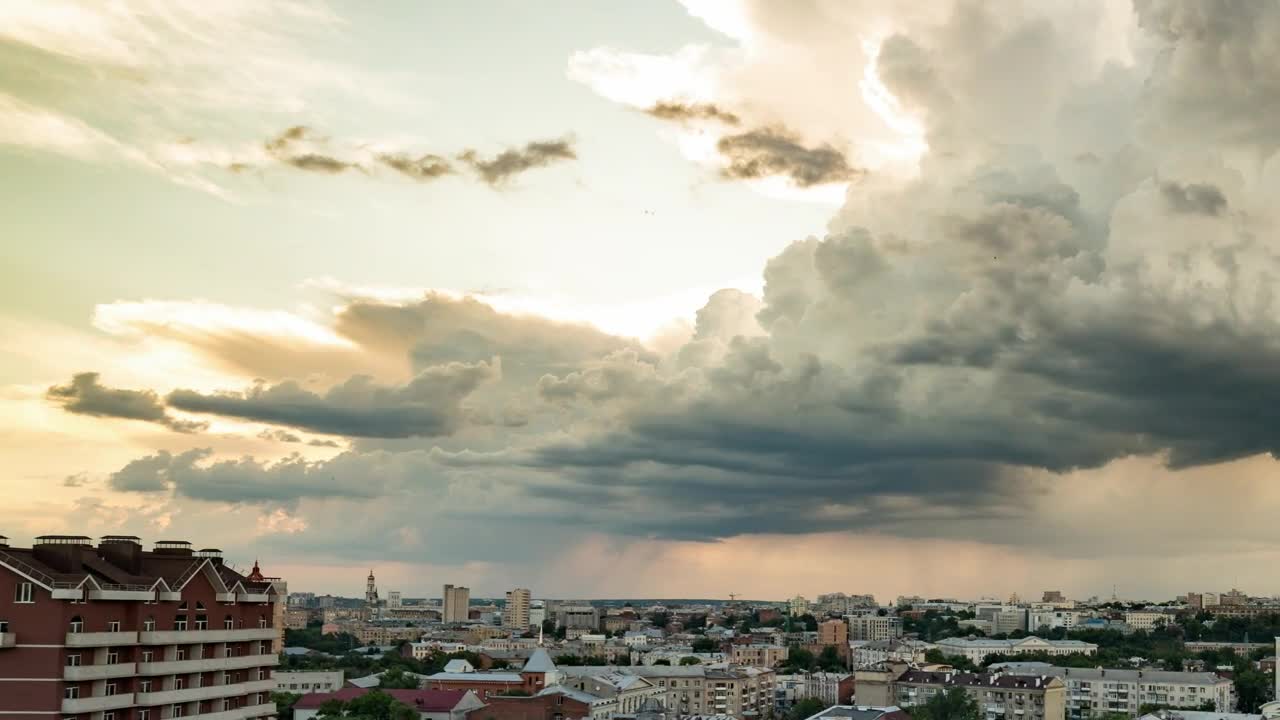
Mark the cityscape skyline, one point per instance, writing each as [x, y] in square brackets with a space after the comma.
[679, 298]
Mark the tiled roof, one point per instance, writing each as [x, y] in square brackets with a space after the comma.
[420, 700]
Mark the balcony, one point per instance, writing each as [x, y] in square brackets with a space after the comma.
[187, 637]
[179, 667]
[208, 692]
[78, 673]
[96, 704]
[101, 639]
[8, 640]
[244, 713]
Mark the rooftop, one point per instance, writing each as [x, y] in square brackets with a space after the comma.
[420, 700]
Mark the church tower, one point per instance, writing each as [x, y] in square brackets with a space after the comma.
[370, 591]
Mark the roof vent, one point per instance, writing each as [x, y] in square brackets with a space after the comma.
[63, 540]
[130, 539]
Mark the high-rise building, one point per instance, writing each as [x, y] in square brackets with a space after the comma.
[833, 632]
[393, 599]
[1053, 596]
[515, 615]
[455, 603]
[798, 605]
[114, 632]
[874, 627]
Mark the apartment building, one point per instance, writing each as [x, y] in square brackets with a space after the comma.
[1098, 691]
[798, 605]
[1052, 619]
[114, 632]
[582, 617]
[758, 655]
[515, 614]
[867, 653]
[1147, 621]
[741, 692]
[833, 632]
[455, 604]
[303, 683]
[978, 650]
[382, 635]
[1000, 696]
[874, 627]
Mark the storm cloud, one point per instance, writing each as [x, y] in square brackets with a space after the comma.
[428, 405]
[85, 395]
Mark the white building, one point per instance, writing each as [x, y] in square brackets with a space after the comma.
[872, 652]
[1098, 691]
[874, 627]
[393, 599]
[798, 605]
[1052, 619]
[1147, 621]
[302, 683]
[515, 614]
[978, 649]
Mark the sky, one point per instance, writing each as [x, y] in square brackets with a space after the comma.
[680, 299]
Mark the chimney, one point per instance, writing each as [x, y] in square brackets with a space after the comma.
[61, 552]
[180, 548]
[123, 551]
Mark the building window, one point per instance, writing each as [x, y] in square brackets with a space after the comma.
[108, 716]
[111, 689]
[71, 692]
[113, 626]
[73, 660]
[176, 711]
[180, 654]
[202, 622]
[262, 622]
[113, 658]
[180, 622]
[148, 656]
[182, 605]
[228, 624]
[144, 686]
[77, 624]
[179, 683]
[144, 715]
[24, 593]
[4, 626]
[149, 625]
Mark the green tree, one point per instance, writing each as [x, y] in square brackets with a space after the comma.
[805, 708]
[690, 660]
[662, 661]
[954, 704]
[397, 679]
[284, 704]
[829, 659]
[959, 662]
[705, 645]
[1252, 689]
[799, 660]
[375, 705]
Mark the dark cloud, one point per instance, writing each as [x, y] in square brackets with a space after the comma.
[506, 165]
[245, 480]
[769, 152]
[681, 112]
[428, 405]
[421, 168]
[84, 395]
[76, 480]
[1194, 198]
[324, 443]
[278, 435]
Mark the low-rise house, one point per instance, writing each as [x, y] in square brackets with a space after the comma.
[430, 704]
[1097, 691]
[977, 650]
[999, 696]
[304, 683]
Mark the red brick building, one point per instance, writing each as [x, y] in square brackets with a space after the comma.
[538, 673]
[114, 632]
[540, 707]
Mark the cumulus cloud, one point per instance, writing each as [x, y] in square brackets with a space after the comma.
[1194, 198]
[85, 395]
[767, 152]
[501, 168]
[422, 168]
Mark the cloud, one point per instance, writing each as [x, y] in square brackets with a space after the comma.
[421, 168]
[428, 405]
[84, 395]
[76, 480]
[768, 152]
[682, 112]
[1194, 198]
[285, 147]
[506, 165]
[278, 435]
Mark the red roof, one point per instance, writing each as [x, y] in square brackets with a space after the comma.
[420, 700]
